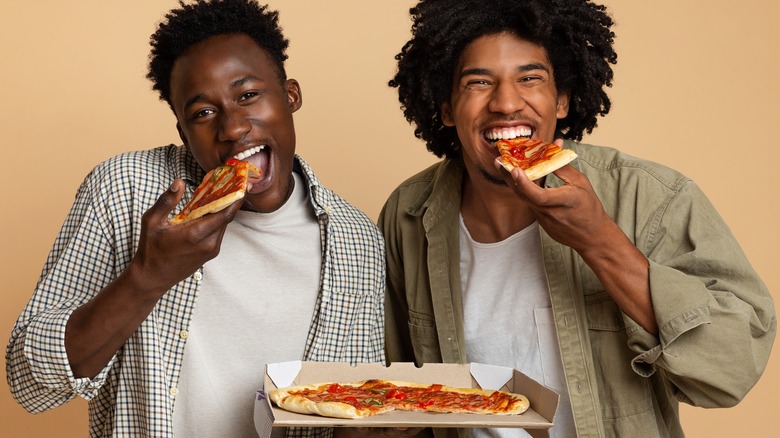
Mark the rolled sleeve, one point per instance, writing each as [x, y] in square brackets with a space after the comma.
[37, 360]
[715, 316]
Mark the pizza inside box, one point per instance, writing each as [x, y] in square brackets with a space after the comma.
[536, 420]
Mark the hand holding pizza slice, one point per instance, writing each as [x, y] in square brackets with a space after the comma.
[220, 187]
[535, 157]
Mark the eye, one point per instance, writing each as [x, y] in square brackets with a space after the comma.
[202, 113]
[531, 79]
[248, 95]
[477, 84]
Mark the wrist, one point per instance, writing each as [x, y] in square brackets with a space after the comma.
[142, 283]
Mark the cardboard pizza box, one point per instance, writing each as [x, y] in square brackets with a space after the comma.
[536, 420]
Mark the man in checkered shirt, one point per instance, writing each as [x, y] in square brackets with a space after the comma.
[166, 328]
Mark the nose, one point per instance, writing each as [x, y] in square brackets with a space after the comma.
[506, 98]
[233, 126]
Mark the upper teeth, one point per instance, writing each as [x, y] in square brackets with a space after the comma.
[507, 133]
[249, 152]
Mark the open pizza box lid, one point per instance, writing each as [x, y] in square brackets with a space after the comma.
[536, 420]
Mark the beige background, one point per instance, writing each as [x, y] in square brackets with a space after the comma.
[695, 88]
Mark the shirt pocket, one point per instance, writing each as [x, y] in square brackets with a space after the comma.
[425, 338]
[623, 393]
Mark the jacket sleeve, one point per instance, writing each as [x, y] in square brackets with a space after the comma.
[715, 316]
[38, 371]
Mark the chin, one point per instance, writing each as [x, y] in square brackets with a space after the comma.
[493, 179]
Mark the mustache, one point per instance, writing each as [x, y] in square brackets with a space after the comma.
[512, 118]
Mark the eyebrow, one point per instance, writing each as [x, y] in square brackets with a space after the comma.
[518, 69]
[233, 85]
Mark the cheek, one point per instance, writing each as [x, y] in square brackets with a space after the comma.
[206, 156]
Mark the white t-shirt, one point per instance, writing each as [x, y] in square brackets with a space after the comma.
[254, 307]
[508, 317]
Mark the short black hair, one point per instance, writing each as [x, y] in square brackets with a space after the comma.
[191, 24]
[575, 33]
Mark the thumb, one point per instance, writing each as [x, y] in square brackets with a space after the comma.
[165, 204]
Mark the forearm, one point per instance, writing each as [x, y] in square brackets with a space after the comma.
[98, 329]
[623, 271]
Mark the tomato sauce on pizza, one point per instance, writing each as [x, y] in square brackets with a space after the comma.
[535, 157]
[220, 187]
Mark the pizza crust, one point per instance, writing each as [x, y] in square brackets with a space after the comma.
[211, 207]
[302, 405]
[555, 162]
[283, 398]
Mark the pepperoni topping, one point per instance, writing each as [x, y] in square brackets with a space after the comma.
[376, 395]
[335, 389]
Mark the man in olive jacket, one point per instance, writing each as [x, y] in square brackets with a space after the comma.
[614, 280]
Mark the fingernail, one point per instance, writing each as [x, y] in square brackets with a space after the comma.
[174, 187]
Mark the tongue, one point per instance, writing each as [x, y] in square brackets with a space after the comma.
[261, 160]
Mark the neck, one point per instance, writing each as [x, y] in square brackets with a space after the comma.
[492, 212]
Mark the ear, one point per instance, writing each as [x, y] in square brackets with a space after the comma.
[294, 96]
[181, 135]
[446, 114]
[562, 105]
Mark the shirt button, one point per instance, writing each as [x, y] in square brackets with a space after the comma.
[198, 276]
[174, 391]
[184, 334]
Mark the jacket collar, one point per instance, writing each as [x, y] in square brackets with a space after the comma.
[442, 196]
[443, 192]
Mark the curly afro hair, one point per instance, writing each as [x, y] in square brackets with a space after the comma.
[575, 33]
[191, 24]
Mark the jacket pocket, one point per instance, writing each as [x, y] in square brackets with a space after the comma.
[626, 397]
[425, 338]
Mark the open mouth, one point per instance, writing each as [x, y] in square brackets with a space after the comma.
[495, 134]
[259, 156]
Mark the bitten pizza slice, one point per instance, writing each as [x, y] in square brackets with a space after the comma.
[220, 187]
[535, 157]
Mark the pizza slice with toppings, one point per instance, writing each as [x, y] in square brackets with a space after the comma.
[220, 187]
[535, 157]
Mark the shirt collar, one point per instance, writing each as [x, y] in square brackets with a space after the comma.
[321, 198]
[184, 165]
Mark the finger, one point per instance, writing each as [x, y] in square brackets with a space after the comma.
[208, 230]
[165, 204]
[568, 174]
[525, 188]
[218, 219]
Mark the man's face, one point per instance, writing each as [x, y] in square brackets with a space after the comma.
[229, 103]
[503, 87]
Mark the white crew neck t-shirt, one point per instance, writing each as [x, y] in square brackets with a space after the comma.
[508, 317]
[254, 307]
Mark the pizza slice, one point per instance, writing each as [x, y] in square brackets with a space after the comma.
[535, 157]
[375, 396]
[220, 187]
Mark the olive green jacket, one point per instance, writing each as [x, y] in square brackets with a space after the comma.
[715, 316]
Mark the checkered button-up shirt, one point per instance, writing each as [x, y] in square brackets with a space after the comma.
[134, 394]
